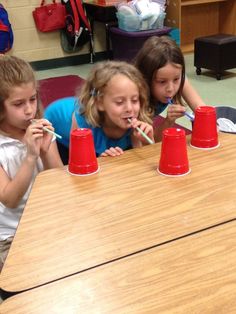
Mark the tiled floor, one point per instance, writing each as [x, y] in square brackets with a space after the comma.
[215, 93]
[81, 70]
[212, 91]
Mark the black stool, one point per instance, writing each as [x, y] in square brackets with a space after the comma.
[215, 52]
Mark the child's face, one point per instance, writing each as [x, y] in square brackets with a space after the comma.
[119, 102]
[20, 107]
[166, 82]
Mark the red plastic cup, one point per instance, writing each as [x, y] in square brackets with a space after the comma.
[82, 156]
[174, 157]
[204, 132]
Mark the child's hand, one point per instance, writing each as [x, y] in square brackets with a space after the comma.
[112, 152]
[33, 139]
[47, 137]
[138, 139]
[174, 112]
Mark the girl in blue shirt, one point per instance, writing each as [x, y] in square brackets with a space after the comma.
[113, 102]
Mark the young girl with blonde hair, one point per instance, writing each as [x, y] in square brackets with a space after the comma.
[113, 102]
[25, 149]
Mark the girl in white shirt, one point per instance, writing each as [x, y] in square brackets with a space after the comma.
[25, 148]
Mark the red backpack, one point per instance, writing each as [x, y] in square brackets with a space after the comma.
[77, 31]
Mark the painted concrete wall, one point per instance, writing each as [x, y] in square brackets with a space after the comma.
[33, 45]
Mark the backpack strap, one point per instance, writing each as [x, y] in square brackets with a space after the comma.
[78, 29]
[82, 14]
[87, 25]
[76, 6]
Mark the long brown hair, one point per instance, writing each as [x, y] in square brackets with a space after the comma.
[155, 54]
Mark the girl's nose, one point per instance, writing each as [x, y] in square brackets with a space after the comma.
[129, 106]
[28, 108]
[170, 86]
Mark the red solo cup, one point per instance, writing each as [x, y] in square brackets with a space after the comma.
[174, 158]
[204, 133]
[82, 156]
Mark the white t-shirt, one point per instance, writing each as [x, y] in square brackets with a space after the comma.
[12, 153]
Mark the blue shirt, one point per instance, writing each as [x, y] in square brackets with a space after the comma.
[60, 112]
[101, 141]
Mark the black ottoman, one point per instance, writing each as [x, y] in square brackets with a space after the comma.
[216, 53]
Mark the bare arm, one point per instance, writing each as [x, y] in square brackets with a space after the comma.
[12, 190]
[48, 150]
[191, 96]
[51, 159]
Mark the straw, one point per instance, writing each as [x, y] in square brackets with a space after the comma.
[47, 130]
[190, 116]
[142, 133]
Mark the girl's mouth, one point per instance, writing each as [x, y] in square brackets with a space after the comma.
[127, 118]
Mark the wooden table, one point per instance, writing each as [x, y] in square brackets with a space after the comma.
[195, 274]
[71, 224]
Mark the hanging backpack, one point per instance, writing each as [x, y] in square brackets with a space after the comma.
[6, 33]
[77, 31]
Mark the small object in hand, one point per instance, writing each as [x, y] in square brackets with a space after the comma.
[47, 130]
[142, 133]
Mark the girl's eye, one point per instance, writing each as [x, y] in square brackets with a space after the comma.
[33, 99]
[177, 79]
[160, 82]
[18, 104]
[119, 102]
[134, 101]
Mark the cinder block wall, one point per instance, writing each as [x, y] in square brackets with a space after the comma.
[33, 45]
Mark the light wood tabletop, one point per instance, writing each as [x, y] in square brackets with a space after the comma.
[195, 274]
[71, 223]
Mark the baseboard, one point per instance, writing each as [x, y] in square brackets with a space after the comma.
[67, 61]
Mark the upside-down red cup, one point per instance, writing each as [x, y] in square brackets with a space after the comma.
[204, 132]
[174, 157]
[82, 156]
